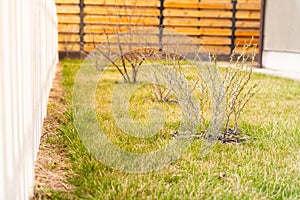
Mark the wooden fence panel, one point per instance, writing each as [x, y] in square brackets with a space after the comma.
[208, 22]
[28, 57]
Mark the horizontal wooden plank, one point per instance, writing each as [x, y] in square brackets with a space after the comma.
[248, 6]
[196, 5]
[115, 39]
[68, 37]
[229, 1]
[116, 20]
[213, 41]
[68, 28]
[115, 47]
[215, 1]
[211, 14]
[192, 48]
[211, 5]
[215, 6]
[247, 24]
[247, 32]
[203, 31]
[93, 46]
[148, 3]
[246, 40]
[210, 41]
[69, 47]
[89, 28]
[68, 19]
[154, 21]
[67, 1]
[202, 1]
[240, 49]
[89, 47]
[105, 29]
[67, 9]
[197, 13]
[95, 38]
[168, 21]
[194, 22]
[217, 49]
[249, 1]
[222, 4]
[183, 48]
[208, 46]
[248, 15]
[204, 40]
[209, 1]
[117, 11]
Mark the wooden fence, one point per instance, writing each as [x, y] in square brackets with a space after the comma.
[28, 56]
[216, 24]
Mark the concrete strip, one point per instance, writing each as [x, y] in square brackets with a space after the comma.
[285, 74]
[293, 75]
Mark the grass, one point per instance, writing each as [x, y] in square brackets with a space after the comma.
[265, 167]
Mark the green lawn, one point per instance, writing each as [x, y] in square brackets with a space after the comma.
[265, 167]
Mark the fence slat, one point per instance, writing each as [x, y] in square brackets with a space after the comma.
[116, 11]
[28, 56]
[143, 3]
[68, 9]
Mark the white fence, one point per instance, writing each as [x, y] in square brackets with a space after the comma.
[28, 56]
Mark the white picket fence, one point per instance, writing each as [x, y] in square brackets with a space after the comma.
[28, 56]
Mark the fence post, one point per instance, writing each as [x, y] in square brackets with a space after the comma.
[161, 23]
[81, 32]
[233, 26]
[261, 33]
[198, 27]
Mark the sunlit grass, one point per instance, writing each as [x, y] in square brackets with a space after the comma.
[264, 167]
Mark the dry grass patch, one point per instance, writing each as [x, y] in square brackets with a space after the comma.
[53, 165]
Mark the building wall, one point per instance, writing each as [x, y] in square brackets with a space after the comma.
[282, 31]
[28, 56]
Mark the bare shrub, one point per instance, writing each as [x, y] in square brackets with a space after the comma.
[238, 87]
[236, 91]
[169, 61]
[122, 32]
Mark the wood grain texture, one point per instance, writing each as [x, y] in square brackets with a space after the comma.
[139, 3]
[117, 11]
[69, 47]
[116, 20]
[66, 2]
[68, 9]
[207, 22]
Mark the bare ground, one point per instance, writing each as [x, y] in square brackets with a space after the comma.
[52, 167]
